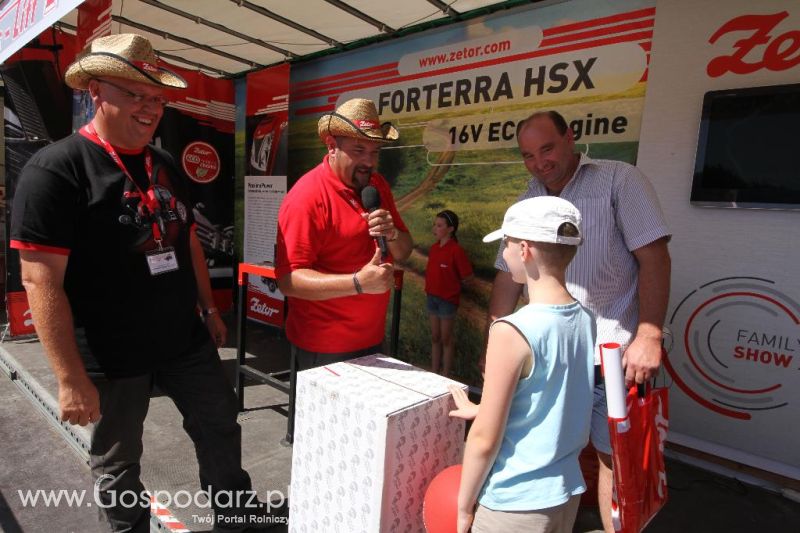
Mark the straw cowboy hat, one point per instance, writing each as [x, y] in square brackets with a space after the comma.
[356, 118]
[127, 56]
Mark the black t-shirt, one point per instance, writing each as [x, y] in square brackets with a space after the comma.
[72, 197]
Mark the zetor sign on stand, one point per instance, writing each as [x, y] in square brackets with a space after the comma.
[763, 48]
[266, 306]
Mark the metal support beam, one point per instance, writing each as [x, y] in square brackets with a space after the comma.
[444, 8]
[171, 57]
[195, 64]
[283, 20]
[361, 15]
[219, 27]
[183, 40]
[65, 26]
[76, 436]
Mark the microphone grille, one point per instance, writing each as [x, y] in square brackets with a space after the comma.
[370, 198]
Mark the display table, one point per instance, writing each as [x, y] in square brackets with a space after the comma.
[243, 370]
[274, 378]
[370, 435]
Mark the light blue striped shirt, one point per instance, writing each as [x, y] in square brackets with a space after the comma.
[620, 212]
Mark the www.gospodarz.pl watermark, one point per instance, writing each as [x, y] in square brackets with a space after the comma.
[241, 501]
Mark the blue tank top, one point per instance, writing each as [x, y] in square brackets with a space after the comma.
[548, 422]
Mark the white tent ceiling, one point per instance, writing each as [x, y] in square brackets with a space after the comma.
[229, 37]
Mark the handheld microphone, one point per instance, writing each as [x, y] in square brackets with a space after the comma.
[371, 201]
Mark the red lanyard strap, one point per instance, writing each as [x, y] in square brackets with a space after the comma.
[90, 133]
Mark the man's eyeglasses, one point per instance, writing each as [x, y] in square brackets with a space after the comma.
[136, 97]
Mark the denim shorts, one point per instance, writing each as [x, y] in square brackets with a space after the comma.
[441, 308]
[599, 433]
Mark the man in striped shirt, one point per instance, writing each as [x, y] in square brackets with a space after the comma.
[622, 270]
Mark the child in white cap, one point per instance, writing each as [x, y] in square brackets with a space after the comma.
[521, 459]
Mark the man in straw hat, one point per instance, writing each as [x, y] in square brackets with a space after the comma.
[328, 263]
[115, 273]
[620, 273]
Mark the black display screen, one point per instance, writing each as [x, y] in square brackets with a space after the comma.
[748, 152]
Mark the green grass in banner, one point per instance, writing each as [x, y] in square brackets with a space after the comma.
[404, 163]
[480, 195]
[414, 343]
[305, 148]
[469, 345]
[616, 151]
[479, 186]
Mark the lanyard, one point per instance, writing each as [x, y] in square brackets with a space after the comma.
[90, 133]
[347, 194]
[351, 199]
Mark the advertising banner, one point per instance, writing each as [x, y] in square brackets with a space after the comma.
[266, 121]
[262, 201]
[734, 348]
[22, 21]
[94, 20]
[32, 78]
[456, 95]
[197, 129]
[266, 131]
[17, 152]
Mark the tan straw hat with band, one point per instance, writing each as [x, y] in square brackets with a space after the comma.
[356, 118]
[125, 55]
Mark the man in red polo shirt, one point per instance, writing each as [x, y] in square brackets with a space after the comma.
[328, 263]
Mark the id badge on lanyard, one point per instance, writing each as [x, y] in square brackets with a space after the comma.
[163, 259]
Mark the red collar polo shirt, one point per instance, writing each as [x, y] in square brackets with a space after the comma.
[320, 227]
[448, 265]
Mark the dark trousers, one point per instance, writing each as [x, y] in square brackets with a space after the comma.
[303, 360]
[306, 360]
[201, 392]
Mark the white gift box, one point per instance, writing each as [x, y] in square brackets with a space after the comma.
[370, 434]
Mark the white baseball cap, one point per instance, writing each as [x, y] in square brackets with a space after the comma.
[539, 219]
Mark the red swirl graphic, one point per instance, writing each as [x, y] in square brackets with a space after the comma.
[689, 351]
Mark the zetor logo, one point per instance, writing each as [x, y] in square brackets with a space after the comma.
[257, 306]
[760, 47]
[737, 346]
[367, 124]
[201, 162]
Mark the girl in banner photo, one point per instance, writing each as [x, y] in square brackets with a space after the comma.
[448, 267]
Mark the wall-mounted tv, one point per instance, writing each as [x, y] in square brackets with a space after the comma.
[748, 151]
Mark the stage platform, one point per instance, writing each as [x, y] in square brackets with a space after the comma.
[39, 453]
[168, 464]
